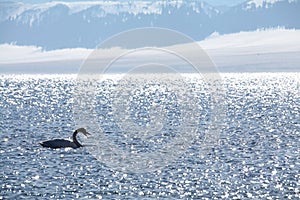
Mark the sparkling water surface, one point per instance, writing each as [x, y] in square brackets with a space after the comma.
[256, 156]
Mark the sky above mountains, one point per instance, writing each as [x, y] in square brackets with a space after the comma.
[212, 2]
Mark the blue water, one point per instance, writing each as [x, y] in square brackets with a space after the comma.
[257, 154]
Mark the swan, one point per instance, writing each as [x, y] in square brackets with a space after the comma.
[61, 143]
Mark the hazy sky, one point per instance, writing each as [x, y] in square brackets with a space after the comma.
[212, 2]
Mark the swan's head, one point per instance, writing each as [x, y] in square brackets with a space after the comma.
[82, 130]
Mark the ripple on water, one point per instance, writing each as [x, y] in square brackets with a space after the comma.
[258, 154]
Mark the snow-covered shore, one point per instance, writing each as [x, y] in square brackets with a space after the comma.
[261, 50]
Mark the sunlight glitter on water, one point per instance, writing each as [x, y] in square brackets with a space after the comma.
[257, 155]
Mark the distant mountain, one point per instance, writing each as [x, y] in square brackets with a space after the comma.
[259, 14]
[84, 24]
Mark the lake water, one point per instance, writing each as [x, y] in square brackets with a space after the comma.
[256, 155]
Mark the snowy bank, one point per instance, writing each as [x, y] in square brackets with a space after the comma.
[261, 50]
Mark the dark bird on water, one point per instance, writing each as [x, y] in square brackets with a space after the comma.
[61, 143]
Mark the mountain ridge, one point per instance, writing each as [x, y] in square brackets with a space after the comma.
[57, 25]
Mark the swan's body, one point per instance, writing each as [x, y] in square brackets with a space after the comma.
[61, 143]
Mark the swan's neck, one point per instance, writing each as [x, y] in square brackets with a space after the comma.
[75, 139]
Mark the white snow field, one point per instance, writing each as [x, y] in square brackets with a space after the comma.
[261, 50]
